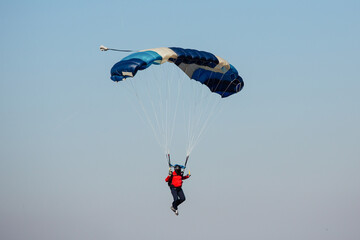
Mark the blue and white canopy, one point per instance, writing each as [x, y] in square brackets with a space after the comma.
[213, 71]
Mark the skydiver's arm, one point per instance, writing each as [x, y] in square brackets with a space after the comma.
[186, 177]
[168, 177]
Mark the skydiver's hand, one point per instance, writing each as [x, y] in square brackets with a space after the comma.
[188, 175]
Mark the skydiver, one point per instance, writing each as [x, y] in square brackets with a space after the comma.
[175, 180]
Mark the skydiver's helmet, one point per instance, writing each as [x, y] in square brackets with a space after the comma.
[177, 169]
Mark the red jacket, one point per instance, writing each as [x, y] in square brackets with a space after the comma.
[176, 179]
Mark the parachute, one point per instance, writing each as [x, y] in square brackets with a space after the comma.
[214, 72]
[162, 92]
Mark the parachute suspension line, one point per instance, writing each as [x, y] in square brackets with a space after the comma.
[161, 100]
[173, 83]
[201, 117]
[154, 108]
[140, 102]
[156, 133]
[157, 110]
[191, 105]
[168, 111]
[195, 115]
[160, 131]
[146, 113]
[205, 125]
[214, 107]
[163, 106]
[204, 118]
[176, 82]
[179, 89]
[213, 110]
[166, 124]
[199, 109]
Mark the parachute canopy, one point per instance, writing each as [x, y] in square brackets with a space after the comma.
[213, 71]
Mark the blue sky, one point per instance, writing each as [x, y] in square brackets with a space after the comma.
[282, 160]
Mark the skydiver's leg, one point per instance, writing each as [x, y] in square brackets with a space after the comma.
[181, 196]
[175, 196]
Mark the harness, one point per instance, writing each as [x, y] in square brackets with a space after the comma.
[173, 166]
[170, 180]
[183, 167]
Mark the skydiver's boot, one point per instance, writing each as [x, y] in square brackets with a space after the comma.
[174, 210]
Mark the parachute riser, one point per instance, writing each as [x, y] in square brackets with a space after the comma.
[171, 166]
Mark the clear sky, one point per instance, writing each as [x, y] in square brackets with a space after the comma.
[281, 162]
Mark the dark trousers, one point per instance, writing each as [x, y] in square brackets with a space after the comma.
[178, 195]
